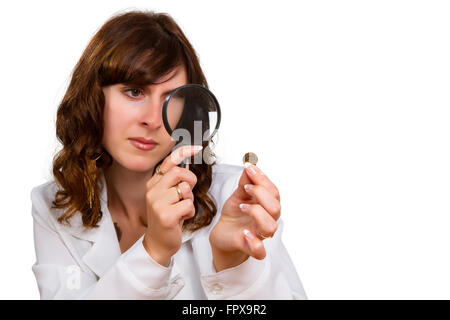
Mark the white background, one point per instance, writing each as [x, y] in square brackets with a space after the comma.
[346, 103]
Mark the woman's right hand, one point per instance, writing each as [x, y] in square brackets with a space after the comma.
[165, 212]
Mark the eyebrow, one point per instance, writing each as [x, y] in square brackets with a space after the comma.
[144, 88]
[168, 91]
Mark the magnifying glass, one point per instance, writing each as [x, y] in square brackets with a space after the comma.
[191, 115]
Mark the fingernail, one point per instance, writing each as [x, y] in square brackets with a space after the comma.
[251, 169]
[196, 148]
[243, 206]
[248, 187]
[248, 234]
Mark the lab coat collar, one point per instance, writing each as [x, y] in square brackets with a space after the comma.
[105, 249]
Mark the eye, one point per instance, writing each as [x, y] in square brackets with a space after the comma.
[134, 92]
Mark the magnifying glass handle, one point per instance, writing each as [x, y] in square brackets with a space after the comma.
[182, 164]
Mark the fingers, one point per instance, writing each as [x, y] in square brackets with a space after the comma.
[266, 226]
[265, 198]
[259, 178]
[178, 155]
[255, 246]
[186, 191]
[187, 195]
[176, 175]
[186, 208]
[178, 212]
[172, 174]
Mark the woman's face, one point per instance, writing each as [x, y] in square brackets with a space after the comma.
[137, 112]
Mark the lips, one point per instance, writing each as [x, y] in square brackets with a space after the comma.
[144, 140]
[142, 145]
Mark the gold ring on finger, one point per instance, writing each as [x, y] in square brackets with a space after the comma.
[158, 171]
[180, 193]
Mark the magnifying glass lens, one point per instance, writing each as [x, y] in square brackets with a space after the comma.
[193, 112]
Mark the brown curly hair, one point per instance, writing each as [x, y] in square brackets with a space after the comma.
[137, 48]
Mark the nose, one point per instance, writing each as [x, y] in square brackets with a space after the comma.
[152, 115]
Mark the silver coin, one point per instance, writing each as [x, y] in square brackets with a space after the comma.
[250, 157]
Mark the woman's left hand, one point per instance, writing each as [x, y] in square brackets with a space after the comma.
[229, 243]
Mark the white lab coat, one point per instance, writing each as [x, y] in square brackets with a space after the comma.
[78, 263]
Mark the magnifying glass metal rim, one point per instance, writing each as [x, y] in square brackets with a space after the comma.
[166, 103]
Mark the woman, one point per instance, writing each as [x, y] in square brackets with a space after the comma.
[121, 220]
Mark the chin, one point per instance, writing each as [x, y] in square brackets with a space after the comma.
[138, 164]
[141, 166]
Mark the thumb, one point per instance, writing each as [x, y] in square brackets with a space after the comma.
[255, 246]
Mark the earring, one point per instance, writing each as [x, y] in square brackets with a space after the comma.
[90, 178]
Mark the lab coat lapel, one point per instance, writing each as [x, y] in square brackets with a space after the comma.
[105, 248]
